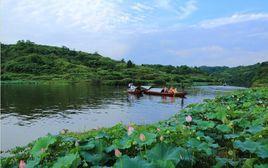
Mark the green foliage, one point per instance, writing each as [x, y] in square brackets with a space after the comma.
[130, 64]
[27, 61]
[42, 144]
[229, 131]
[162, 153]
[253, 75]
[70, 160]
[127, 162]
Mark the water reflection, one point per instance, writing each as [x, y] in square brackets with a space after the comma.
[31, 111]
[35, 101]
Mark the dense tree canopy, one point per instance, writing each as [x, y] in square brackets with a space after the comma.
[26, 60]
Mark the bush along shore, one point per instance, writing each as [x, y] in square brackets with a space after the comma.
[229, 131]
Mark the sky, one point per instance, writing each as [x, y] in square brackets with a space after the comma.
[169, 32]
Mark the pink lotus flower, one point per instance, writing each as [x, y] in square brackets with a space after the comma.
[158, 129]
[130, 130]
[142, 137]
[117, 153]
[22, 164]
[188, 118]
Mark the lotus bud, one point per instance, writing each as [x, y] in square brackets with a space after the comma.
[161, 138]
[117, 153]
[130, 130]
[142, 137]
[22, 164]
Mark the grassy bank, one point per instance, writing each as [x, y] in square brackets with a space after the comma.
[229, 131]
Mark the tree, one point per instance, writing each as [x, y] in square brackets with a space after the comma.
[130, 64]
[123, 60]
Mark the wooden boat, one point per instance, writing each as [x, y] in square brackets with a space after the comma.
[135, 92]
[178, 94]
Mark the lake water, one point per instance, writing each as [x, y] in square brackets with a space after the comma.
[30, 111]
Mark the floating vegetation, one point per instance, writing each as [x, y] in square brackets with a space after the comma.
[229, 131]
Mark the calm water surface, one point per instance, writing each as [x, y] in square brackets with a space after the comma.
[30, 111]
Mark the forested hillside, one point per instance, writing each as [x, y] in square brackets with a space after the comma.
[253, 75]
[27, 61]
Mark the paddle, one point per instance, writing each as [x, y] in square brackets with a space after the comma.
[146, 89]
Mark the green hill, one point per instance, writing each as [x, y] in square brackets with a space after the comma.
[253, 75]
[27, 61]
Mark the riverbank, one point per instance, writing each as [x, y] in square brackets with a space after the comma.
[26, 60]
[227, 131]
[107, 82]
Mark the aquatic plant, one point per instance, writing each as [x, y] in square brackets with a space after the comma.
[229, 131]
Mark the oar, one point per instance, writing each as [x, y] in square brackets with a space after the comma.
[147, 89]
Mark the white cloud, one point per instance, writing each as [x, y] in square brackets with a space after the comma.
[120, 28]
[187, 10]
[90, 15]
[236, 18]
[181, 11]
[141, 7]
[95, 15]
[164, 4]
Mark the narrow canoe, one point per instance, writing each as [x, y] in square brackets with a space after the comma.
[178, 94]
[135, 92]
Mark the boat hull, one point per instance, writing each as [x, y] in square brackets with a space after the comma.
[134, 92]
[178, 94]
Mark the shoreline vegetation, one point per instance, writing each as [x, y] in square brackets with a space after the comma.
[228, 131]
[27, 62]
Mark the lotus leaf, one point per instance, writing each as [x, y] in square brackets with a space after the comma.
[163, 152]
[127, 162]
[223, 128]
[70, 160]
[255, 129]
[42, 144]
[231, 136]
[87, 145]
[203, 125]
[93, 158]
[261, 166]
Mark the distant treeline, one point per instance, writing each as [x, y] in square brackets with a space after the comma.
[252, 75]
[27, 61]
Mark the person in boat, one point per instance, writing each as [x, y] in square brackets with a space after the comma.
[138, 88]
[172, 90]
[164, 89]
[131, 86]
